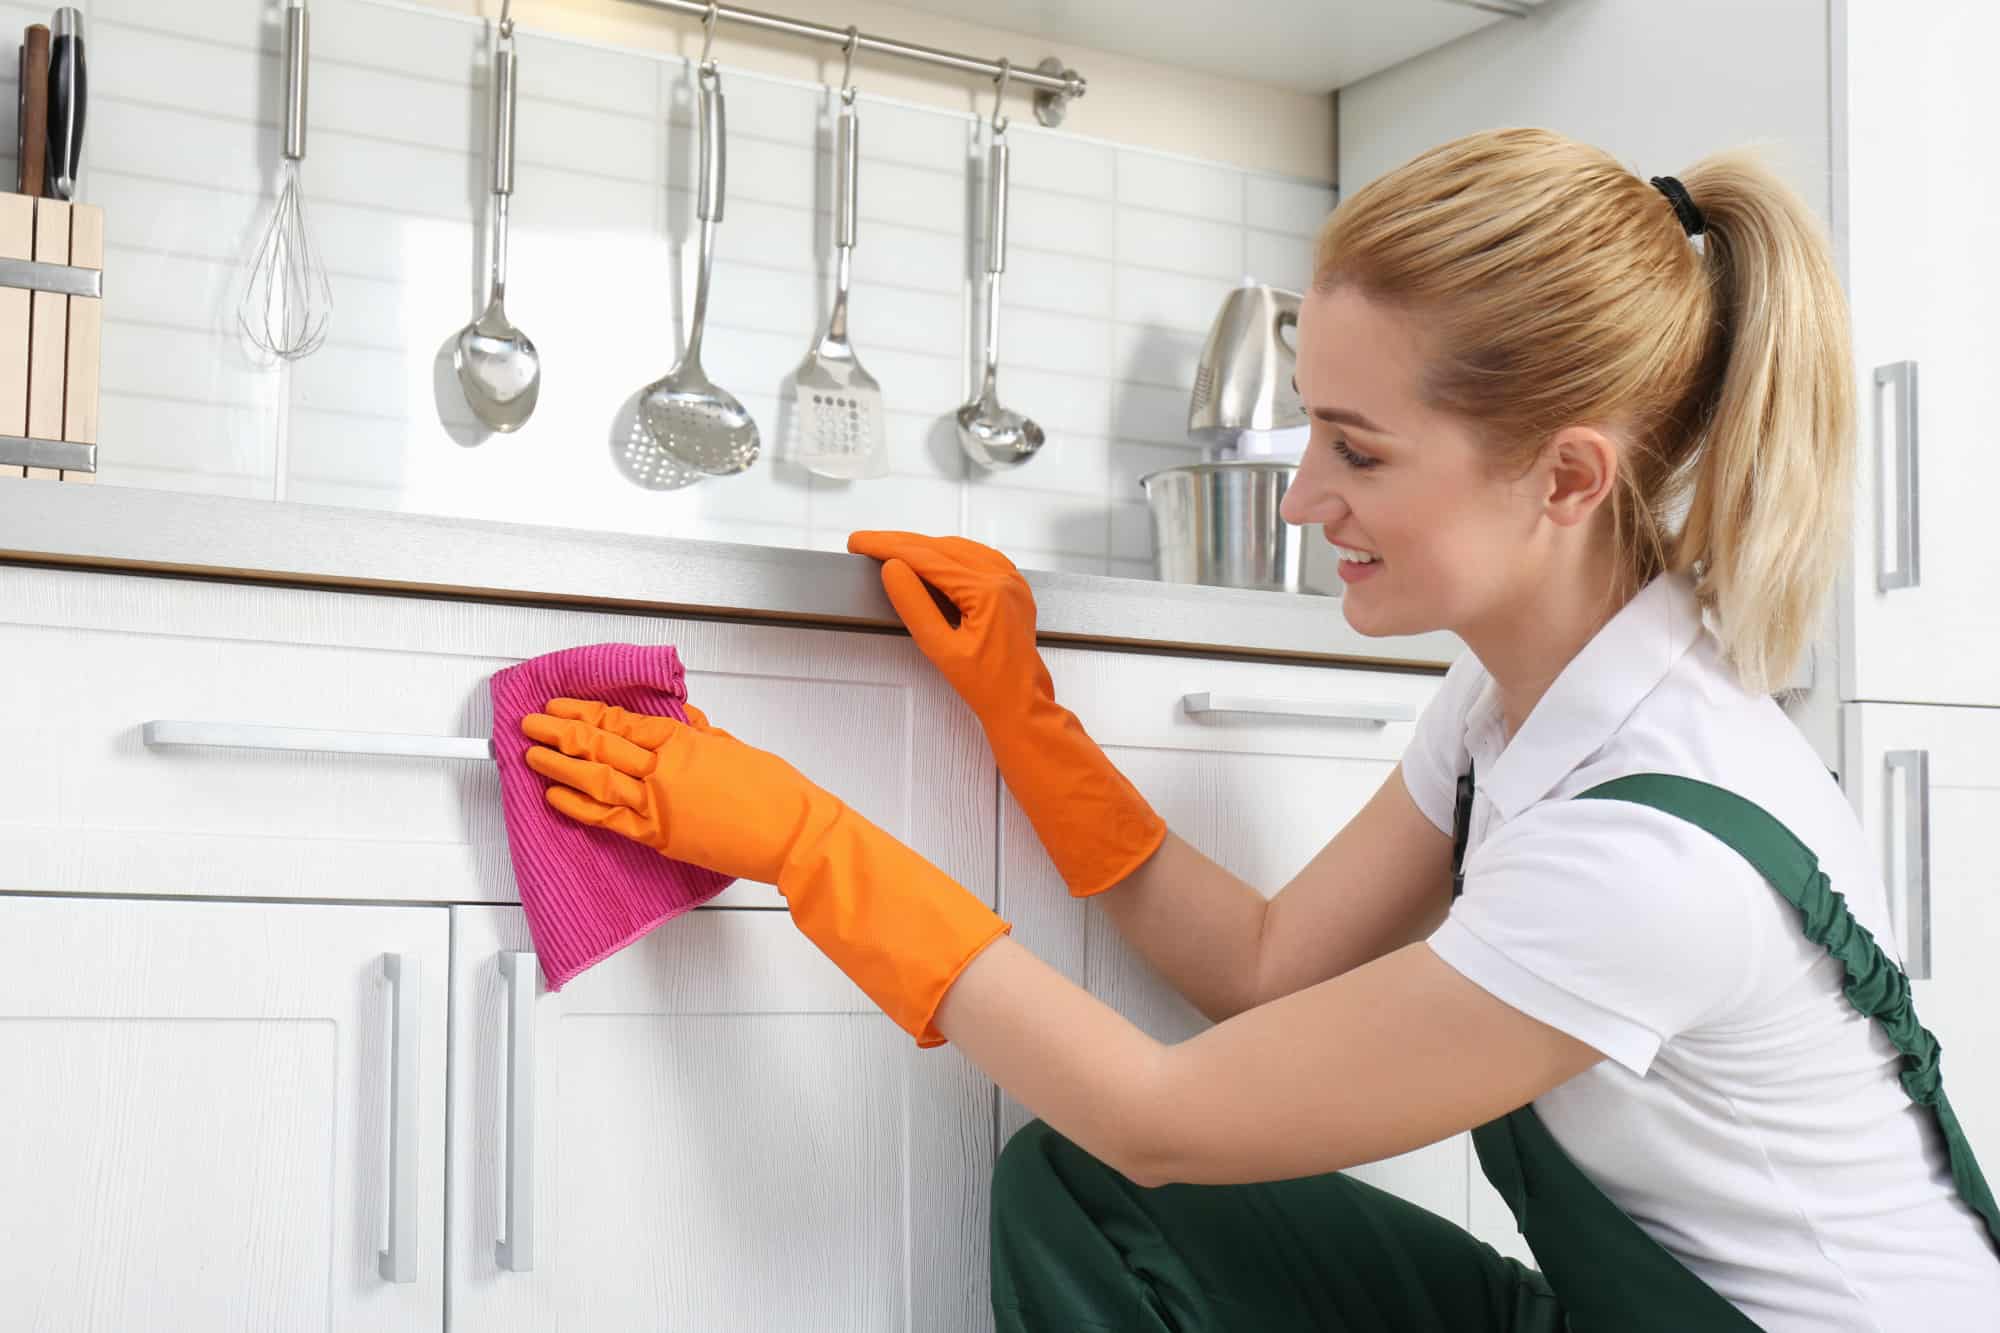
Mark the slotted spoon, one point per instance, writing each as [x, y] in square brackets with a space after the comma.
[684, 413]
[837, 405]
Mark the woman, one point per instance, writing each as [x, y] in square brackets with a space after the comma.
[1600, 429]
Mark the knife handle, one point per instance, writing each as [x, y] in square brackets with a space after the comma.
[67, 96]
[34, 109]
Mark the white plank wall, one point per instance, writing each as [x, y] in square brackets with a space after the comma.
[1117, 262]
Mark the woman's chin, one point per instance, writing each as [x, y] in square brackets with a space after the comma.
[1376, 622]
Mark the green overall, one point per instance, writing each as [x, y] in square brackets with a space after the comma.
[1078, 1247]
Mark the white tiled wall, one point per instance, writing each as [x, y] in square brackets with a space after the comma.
[1118, 259]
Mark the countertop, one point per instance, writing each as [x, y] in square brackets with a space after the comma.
[247, 540]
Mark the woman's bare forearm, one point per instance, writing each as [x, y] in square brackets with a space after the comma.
[1198, 925]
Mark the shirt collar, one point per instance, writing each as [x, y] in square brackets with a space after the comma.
[1589, 700]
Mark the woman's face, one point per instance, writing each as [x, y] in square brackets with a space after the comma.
[1386, 475]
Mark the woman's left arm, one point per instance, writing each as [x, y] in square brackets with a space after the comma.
[1395, 1054]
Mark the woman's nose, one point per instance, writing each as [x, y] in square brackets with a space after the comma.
[1310, 499]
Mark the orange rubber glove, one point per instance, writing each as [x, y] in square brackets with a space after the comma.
[892, 921]
[1092, 821]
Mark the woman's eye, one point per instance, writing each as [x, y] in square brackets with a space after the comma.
[1352, 459]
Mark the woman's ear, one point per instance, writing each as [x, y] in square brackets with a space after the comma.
[1579, 467]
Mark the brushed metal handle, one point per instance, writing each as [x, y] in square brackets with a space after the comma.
[165, 734]
[505, 104]
[847, 166]
[298, 47]
[714, 153]
[405, 974]
[1368, 712]
[1902, 569]
[1915, 872]
[515, 1250]
[996, 205]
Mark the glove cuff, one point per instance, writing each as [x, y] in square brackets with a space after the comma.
[899, 927]
[1095, 825]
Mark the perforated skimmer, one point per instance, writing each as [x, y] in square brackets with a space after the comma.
[683, 413]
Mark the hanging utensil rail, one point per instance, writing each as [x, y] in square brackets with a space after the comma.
[1055, 87]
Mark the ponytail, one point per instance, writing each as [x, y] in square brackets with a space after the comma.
[1768, 523]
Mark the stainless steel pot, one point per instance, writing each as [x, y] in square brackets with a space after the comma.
[1217, 523]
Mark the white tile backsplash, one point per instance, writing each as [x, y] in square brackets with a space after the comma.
[1117, 261]
[1152, 239]
[1287, 206]
[1277, 259]
[1179, 185]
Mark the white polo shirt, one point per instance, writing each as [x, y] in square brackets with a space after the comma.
[1748, 1118]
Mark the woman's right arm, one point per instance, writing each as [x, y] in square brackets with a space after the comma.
[1384, 881]
[1381, 883]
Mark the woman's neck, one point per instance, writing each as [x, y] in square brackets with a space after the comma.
[1525, 644]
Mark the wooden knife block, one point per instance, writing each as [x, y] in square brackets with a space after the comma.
[50, 341]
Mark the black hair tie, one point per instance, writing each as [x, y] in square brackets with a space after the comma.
[1692, 221]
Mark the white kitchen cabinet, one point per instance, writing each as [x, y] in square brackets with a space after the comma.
[714, 1129]
[219, 1116]
[1284, 757]
[86, 806]
[1915, 95]
[1924, 782]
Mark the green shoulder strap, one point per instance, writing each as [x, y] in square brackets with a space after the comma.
[1876, 985]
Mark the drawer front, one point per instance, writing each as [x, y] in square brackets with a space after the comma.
[87, 806]
[1158, 701]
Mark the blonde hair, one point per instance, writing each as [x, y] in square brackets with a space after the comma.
[1558, 288]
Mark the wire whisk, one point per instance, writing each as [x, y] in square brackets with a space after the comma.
[287, 303]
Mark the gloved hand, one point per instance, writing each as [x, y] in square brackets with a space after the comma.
[1095, 825]
[892, 921]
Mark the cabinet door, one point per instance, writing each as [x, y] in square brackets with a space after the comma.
[1259, 790]
[1921, 109]
[1927, 787]
[713, 1129]
[220, 1116]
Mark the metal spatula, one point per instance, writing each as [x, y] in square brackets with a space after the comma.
[837, 406]
[687, 416]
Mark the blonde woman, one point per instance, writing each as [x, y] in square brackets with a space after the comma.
[1610, 913]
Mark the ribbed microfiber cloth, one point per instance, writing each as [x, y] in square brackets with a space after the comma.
[588, 892]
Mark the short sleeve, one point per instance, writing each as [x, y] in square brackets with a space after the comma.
[1436, 754]
[1616, 923]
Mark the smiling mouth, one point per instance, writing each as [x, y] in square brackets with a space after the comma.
[1353, 553]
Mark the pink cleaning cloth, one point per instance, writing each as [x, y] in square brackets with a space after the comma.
[588, 892]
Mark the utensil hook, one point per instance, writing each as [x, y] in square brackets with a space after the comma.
[708, 37]
[847, 66]
[1000, 94]
[506, 20]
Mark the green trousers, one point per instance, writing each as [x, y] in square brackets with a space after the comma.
[1077, 1248]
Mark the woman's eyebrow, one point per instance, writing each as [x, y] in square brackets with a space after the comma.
[1341, 416]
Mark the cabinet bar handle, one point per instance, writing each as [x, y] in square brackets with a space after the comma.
[405, 974]
[516, 1249]
[1904, 572]
[255, 736]
[1915, 876]
[1370, 712]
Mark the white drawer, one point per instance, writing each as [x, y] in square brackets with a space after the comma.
[1162, 701]
[86, 806]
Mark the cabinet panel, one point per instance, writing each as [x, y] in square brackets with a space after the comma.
[727, 1135]
[1261, 792]
[1920, 106]
[201, 1118]
[86, 806]
[1952, 816]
